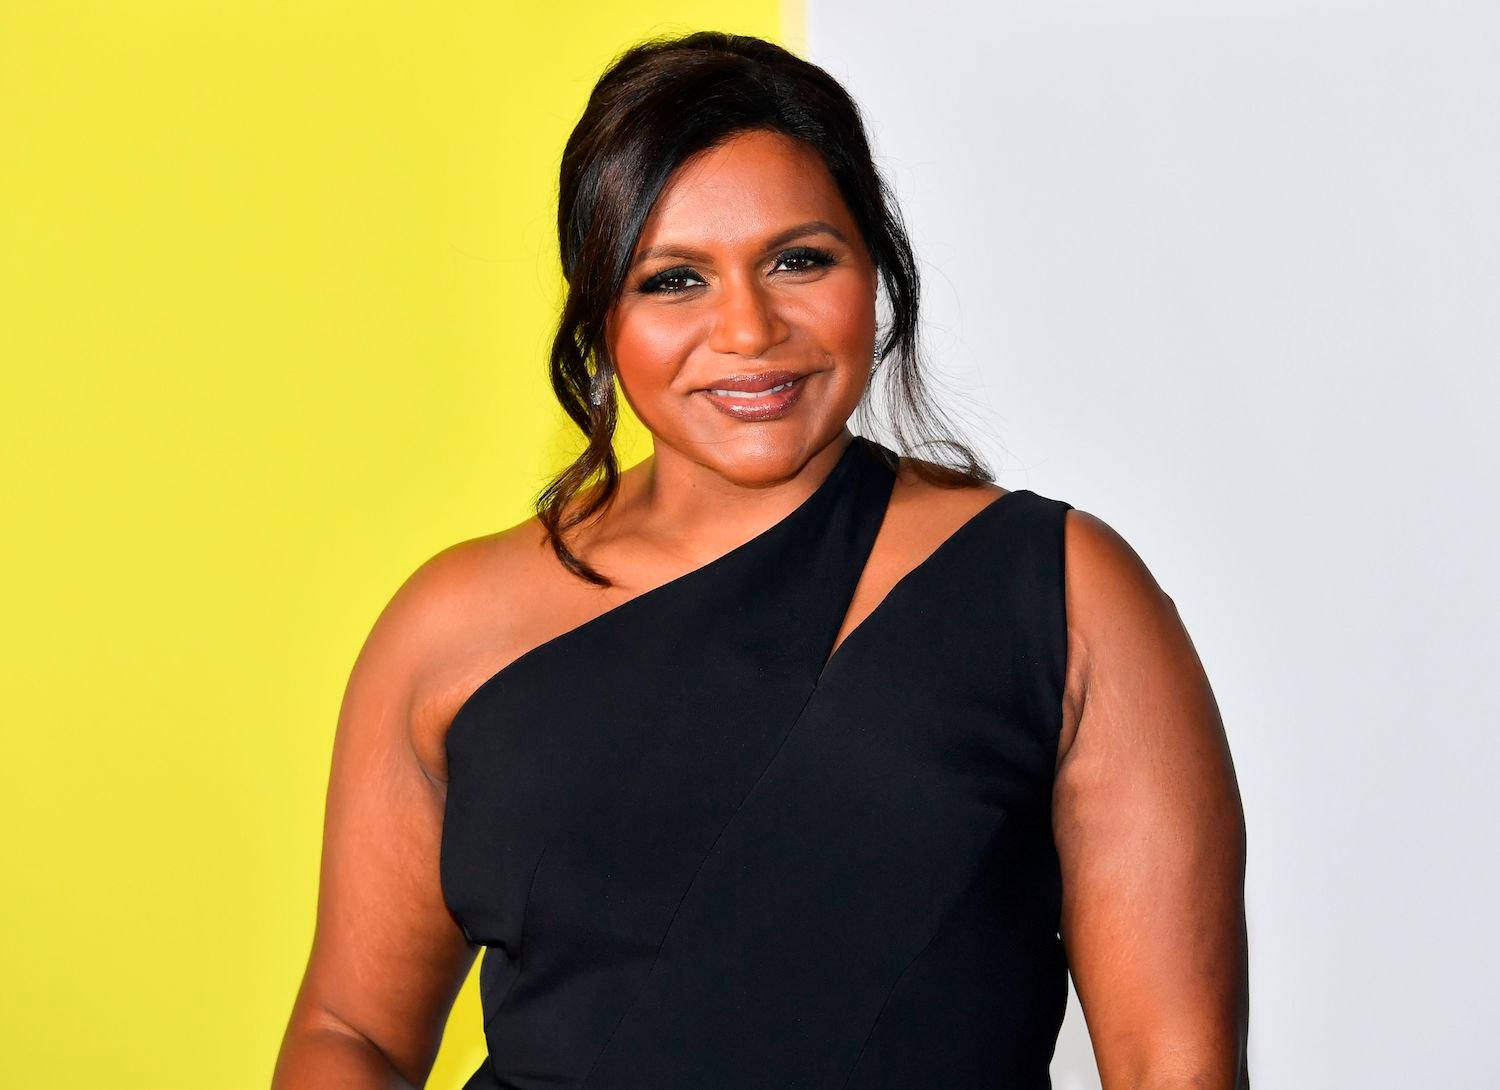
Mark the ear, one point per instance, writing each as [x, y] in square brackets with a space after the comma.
[610, 324]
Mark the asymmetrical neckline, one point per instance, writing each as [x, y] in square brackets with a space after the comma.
[706, 842]
[858, 453]
[850, 504]
[905, 582]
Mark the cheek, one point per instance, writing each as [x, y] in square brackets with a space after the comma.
[840, 319]
[649, 344]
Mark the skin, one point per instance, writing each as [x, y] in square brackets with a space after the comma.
[1147, 815]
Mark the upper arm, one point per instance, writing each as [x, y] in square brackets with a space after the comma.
[387, 958]
[1150, 832]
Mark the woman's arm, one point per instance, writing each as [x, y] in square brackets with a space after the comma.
[387, 959]
[1150, 834]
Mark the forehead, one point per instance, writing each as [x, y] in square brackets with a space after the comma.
[752, 185]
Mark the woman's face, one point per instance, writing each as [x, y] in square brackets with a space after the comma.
[750, 272]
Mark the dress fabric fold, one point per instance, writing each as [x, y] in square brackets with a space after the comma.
[700, 853]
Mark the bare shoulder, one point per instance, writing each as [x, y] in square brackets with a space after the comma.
[1109, 586]
[1116, 611]
[451, 621]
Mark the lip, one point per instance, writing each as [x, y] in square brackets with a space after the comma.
[761, 380]
[753, 397]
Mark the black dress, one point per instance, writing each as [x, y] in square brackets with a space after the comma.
[700, 858]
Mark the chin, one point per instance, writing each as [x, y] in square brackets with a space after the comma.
[767, 453]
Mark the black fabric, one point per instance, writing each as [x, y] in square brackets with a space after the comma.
[698, 857]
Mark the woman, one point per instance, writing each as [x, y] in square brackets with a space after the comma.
[778, 759]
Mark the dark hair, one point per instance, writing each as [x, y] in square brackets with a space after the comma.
[661, 102]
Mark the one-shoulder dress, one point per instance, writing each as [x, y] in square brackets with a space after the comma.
[700, 853]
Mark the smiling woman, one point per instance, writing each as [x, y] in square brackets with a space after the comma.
[722, 288]
[719, 195]
[851, 757]
[834, 283]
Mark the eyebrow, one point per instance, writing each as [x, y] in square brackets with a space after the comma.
[801, 230]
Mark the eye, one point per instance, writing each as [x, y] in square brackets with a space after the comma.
[670, 281]
[805, 259]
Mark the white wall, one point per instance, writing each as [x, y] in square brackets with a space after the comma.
[1227, 275]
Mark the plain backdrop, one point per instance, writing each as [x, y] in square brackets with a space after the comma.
[1227, 275]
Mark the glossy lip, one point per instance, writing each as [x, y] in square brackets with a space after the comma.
[760, 380]
[763, 406]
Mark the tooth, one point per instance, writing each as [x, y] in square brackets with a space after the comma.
[750, 393]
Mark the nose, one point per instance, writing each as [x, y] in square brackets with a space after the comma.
[746, 320]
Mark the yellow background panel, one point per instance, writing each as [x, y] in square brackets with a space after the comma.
[276, 285]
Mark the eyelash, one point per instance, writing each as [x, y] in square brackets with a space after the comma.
[655, 285]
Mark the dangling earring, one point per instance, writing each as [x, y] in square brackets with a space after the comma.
[875, 366]
[599, 387]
